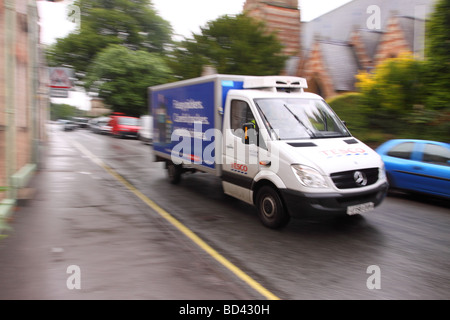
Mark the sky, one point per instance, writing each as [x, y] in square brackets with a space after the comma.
[190, 15]
[185, 16]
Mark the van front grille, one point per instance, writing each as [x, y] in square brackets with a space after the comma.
[355, 178]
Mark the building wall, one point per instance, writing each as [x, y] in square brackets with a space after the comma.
[316, 74]
[281, 17]
[393, 42]
[2, 97]
[400, 28]
[98, 108]
[360, 50]
[23, 155]
[23, 96]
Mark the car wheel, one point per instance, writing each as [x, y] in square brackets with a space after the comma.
[271, 210]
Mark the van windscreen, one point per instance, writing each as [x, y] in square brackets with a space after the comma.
[296, 118]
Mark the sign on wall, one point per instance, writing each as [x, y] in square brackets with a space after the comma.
[60, 82]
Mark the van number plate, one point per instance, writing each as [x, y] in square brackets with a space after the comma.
[360, 208]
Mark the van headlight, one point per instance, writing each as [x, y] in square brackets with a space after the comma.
[309, 177]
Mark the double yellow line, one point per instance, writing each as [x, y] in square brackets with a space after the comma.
[181, 227]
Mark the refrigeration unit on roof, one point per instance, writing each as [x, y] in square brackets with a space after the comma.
[276, 83]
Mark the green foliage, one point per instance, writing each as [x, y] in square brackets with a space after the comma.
[394, 101]
[405, 97]
[232, 45]
[132, 23]
[350, 108]
[64, 111]
[393, 92]
[121, 77]
[116, 51]
[438, 56]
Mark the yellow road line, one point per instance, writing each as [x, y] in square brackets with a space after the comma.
[181, 227]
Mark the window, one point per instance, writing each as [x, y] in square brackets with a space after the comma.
[436, 154]
[294, 118]
[129, 121]
[240, 115]
[402, 150]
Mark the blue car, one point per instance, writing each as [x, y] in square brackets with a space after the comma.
[417, 165]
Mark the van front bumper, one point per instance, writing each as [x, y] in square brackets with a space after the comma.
[301, 204]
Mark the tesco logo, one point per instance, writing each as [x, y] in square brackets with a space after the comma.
[340, 152]
[240, 167]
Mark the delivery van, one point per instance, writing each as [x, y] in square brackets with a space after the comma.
[124, 126]
[273, 145]
[145, 133]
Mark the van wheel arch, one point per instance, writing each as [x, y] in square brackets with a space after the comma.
[270, 205]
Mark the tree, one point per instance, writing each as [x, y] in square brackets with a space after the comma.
[64, 111]
[232, 45]
[132, 23]
[396, 100]
[405, 97]
[394, 94]
[121, 77]
[438, 56]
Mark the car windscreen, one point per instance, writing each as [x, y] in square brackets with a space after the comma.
[296, 118]
[129, 121]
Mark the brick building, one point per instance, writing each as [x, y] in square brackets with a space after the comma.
[282, 17]
[23, 98]
[356, 37]
[331, 49]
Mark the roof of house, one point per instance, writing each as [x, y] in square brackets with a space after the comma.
[333, 30]
[370, 40]
[341, 64]
[339, 23]
[414, 30]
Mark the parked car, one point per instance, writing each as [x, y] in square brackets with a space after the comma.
[145, 133]
[69, 125]
[124, 126]
[81, 122]
[417, 165]
[100, 125]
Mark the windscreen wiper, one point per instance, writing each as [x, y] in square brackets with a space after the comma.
[267, 121]
[310, 132]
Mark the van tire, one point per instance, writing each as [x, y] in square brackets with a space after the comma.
[174, 172]
[271, 210]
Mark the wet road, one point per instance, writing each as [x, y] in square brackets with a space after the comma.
[406, 239]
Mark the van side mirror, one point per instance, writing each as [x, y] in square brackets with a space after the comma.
[250, 135]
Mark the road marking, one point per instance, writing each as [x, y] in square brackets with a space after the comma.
[181, 227]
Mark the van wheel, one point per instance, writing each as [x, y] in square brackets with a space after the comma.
[270, 208]
[174, 172]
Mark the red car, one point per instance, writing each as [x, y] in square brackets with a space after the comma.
[124, 126]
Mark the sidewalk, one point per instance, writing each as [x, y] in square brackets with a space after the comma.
[81, 217]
